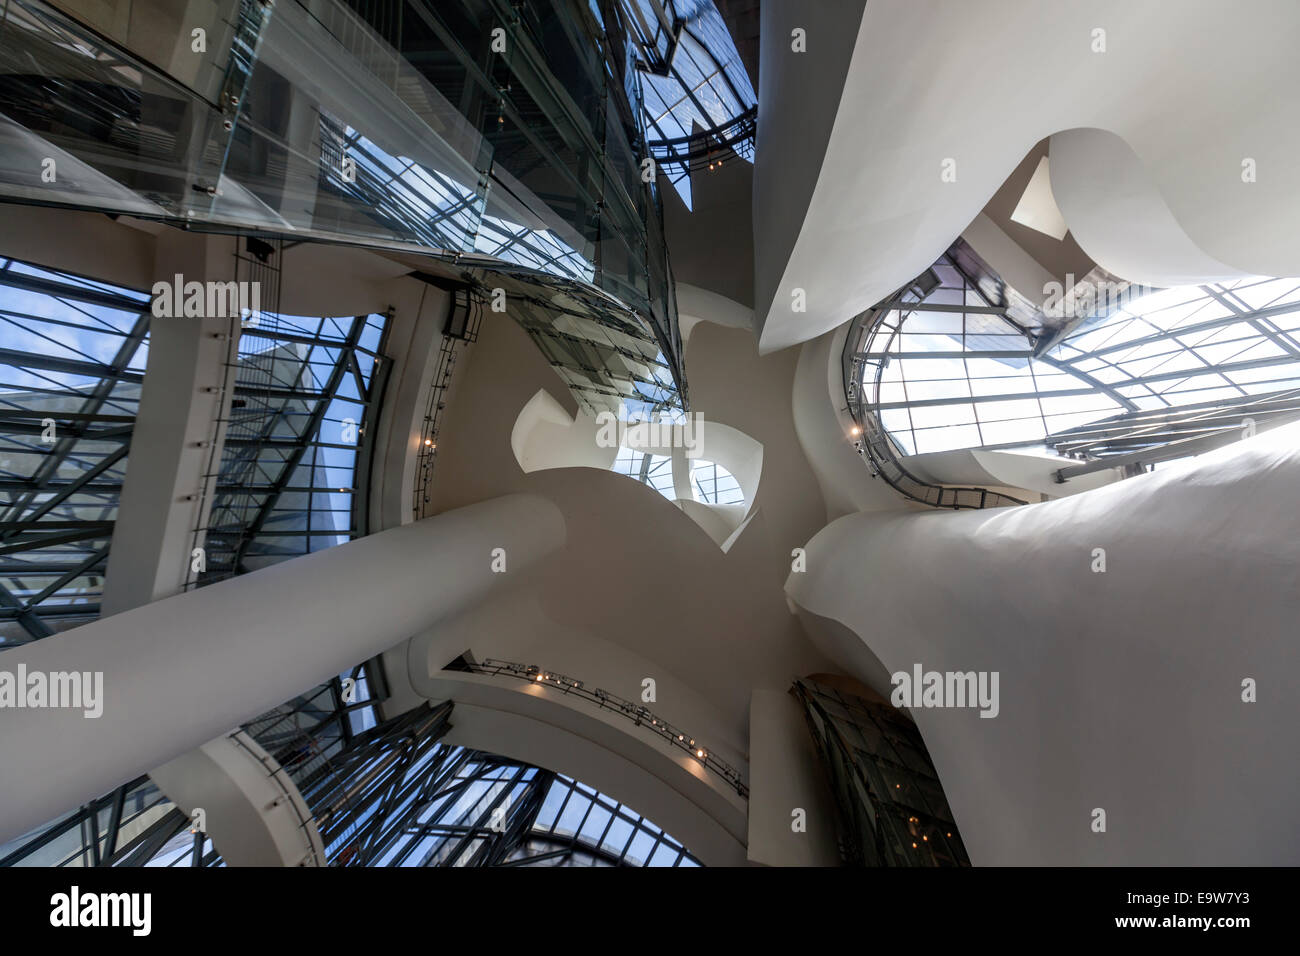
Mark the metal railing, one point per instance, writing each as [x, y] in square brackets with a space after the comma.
[708, 148]
[873, 442]
[637, 713]
[460, 331]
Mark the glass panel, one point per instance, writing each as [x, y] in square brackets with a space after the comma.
[1190, 350]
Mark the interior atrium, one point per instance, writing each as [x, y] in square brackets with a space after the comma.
[649, 433]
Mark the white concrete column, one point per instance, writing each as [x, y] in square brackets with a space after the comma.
[414, 340]
[681, 474]
[178, 436]
[252, 809]
[181, 671]
[791, 809]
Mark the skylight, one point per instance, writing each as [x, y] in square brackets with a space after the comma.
[713, 484]
[710, 482]
[703, 84]
[70, 373]
[951, 372]
[649, 469]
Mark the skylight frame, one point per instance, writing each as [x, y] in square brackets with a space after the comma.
[1230, 343]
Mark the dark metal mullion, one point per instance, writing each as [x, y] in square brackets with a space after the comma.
[90, 832]
[29, 570]
[80, 569]
[494, 841]
[479, 826]
[970, 391]
[312, 426]
[9, 414]
[93, 402]
[55, 611]
[423, 798]
[453, 794]
[146, 845]
[67, 491]
[370, 836]
[115, 821]
[28, 619]
[59, 290]
[89, 530]
[529, 805]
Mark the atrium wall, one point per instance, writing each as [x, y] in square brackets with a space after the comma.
[1120, 689]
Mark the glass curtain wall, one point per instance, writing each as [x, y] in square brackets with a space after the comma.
[507, 138]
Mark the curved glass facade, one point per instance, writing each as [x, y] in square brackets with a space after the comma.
[953, 367]
[699, 104]
[503, 144]
[382, 794]
[73, 366]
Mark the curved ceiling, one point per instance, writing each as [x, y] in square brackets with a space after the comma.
[937, 87]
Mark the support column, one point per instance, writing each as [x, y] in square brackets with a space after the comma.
[178, 434]
[183, 670]
[785, 776]
[253, 811]
[414, 338]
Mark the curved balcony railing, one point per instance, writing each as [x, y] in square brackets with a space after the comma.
[708, 148]
[637, 713]
[873, 442]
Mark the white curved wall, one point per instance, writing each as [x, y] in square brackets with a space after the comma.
[1119, 690]
[569, 735]
[603, 750]
[822, 423]
[695, 305]
[1025, 474]
[254, 813]
[547, 436]
[1116, 213]
[1194, 88]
